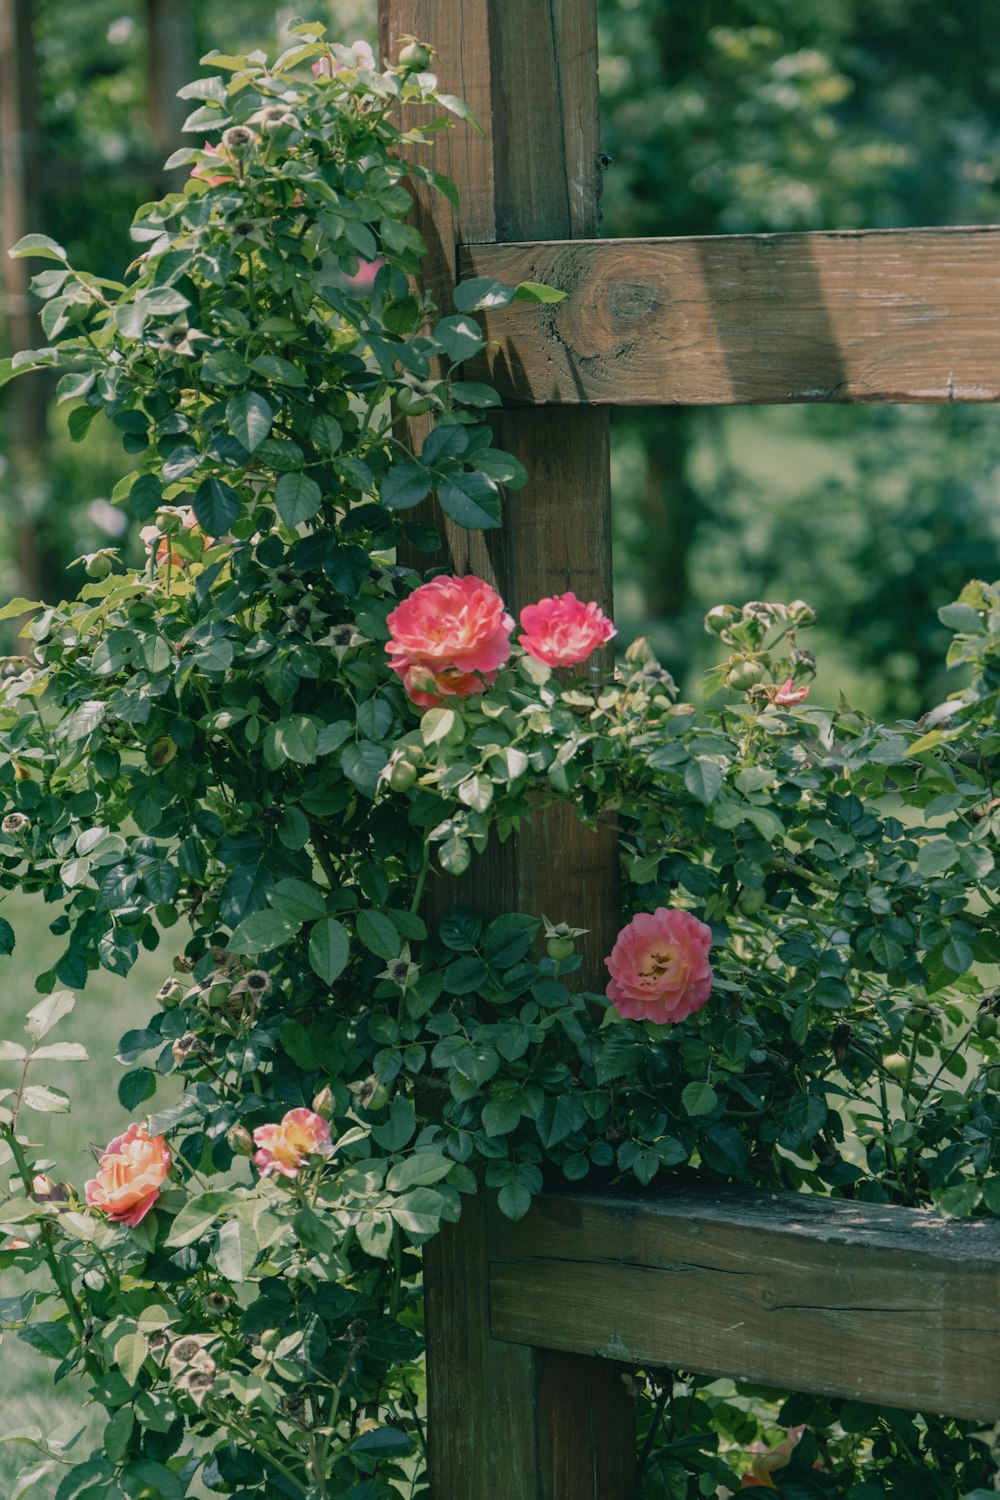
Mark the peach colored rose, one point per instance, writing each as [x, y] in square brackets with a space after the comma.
[787, 694]
[448, 639]
[286, 1148]
[130, 1175]
[563, 631]
[659, 966]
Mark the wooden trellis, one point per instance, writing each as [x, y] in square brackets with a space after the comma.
[529, 1324]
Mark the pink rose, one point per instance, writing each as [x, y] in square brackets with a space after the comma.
[129, 1176]
[787, 694]
[659, 966]
[364, 277]
[449, 638]
[286, 1148]
[562, 631]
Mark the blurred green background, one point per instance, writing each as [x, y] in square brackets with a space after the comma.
[720, 116]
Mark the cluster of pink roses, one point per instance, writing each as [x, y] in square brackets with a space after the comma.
[450, 637]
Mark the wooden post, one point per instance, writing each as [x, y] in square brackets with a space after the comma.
[26, 401]
[170, 64]
[521, 1423]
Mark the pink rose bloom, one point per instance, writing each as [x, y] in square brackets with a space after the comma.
[129, 1176]
[659, 966]
[286, 1148]
[364, 277]
[449, 638]
[364, 57]
[201, 169]
[562, 631]
[787, 694]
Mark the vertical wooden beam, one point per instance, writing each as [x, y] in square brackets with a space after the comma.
[170, 64]
[533, 1425]
[26, 400]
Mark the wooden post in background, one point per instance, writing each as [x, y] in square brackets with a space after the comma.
[523, 1424]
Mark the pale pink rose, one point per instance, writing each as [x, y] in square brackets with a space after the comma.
[286, 1148]
[214, 179]
[364, 57]
[787, 694]
[130, 1175]
[563, 631]
[449, 638]
[659, 966]
[364, 277]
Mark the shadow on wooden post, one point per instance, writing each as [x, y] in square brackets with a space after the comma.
[507, 1422]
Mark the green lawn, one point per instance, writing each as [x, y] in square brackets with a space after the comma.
[105, 1009]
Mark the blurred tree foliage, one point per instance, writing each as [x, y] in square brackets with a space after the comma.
[719, 116]
[751, 115]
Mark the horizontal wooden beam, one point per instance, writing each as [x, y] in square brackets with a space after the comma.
[885, 1305]
[719, 320]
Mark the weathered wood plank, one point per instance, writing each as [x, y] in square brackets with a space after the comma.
[873, 315]
[883, 1305]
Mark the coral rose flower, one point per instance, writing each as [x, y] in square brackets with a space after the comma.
[286, 1148]
[449, 638]
[562, 631]
[130, 1175]
[659, 966]
[364, 277]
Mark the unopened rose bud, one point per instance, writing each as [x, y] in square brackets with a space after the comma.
[240, 1140]
[323, 1102]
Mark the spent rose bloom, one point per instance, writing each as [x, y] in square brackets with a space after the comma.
[659, 966]
[286, 1148]
[448, 639]
[130, 1175]
[562, 631]
[787, 694]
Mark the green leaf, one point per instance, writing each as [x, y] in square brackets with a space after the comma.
[418, 1170]
[405, 485]
[117, 1433]
[199, 1215]
[130, 1353]
[481, 293]
[399, 1129]
[249, 418]
[326, 432]
[297, 498]
[501, 1116]
[216, 506]
[293, 738]
[460, 338]
[699, 1099]
[329, 949]
[514, 1200]
[238, 1249]
[40, 245]
[45, 1100]
[298, 900]
[362, 764]
[136, 1087]
[383, 1442]
[282, 371]
[472, 393]
[42, 1017]
[261, 932]
[703, 779]
[6, 937]
[378, 933]
[537, 291]
[471, 500]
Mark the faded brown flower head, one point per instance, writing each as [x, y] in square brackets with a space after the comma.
[185, 1047]
[185, 1350]
[15, 825]
[238, 140]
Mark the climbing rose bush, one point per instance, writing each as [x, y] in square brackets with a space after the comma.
[659, 966]
[270, 753]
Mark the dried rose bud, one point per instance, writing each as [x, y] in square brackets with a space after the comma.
[15, 825]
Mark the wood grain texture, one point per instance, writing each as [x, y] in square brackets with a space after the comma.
[874, 315]
[886, 1305]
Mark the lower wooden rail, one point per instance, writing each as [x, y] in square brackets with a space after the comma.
[530, 1324]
